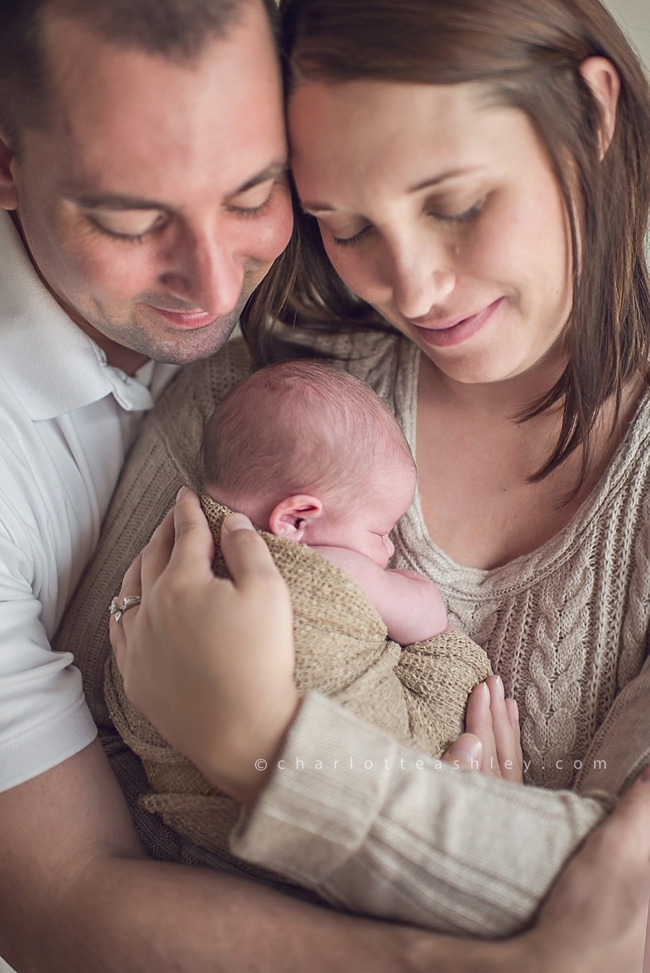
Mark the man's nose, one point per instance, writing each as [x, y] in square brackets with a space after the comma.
[422, 277]
[209, 275]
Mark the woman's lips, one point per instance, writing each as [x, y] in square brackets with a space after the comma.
[456, 333]
[183, 319]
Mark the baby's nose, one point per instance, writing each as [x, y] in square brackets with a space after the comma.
[390, 547]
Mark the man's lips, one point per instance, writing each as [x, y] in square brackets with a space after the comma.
[447, 335]
[184, 319]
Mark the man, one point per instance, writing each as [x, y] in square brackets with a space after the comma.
[142, 168]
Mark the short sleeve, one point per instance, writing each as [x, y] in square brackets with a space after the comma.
[43, 714]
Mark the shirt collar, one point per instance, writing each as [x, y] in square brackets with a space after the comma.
[50, 364]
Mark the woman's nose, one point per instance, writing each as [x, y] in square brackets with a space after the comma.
[422, 279]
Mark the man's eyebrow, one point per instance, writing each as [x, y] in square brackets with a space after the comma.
[118, 202]
[271, 172]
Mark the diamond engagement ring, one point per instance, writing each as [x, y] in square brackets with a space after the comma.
[117, 610]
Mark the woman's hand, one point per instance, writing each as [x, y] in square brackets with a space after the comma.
[210, 661]
[491, 743]
[596, 915]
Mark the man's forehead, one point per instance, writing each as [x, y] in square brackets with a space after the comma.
[138, 114]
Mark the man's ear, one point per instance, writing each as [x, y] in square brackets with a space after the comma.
[605, 84]
[8, 191]
[291, 516]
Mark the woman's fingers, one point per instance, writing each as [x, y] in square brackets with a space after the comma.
[513, 714]
[495, 721]
[132, 581]
[478, 721]
[192, 544]
[506, 733]
[131, 585]
[246, 555]
[465, 753]
[155, 555]
[209, 661]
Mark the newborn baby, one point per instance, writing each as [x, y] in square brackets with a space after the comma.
[311, 454]
[322, 468]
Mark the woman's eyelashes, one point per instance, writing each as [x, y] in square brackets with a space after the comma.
[464, 216]
[349, 241]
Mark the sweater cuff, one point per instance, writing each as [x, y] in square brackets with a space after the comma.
[313, 815]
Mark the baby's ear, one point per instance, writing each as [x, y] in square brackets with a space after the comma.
[291, 516]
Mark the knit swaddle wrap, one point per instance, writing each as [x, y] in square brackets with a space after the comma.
[417, 693]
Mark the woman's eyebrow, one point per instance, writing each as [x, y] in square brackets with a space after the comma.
[314, 207]
[436, 180]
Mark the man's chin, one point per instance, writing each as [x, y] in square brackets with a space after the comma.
[184, 346]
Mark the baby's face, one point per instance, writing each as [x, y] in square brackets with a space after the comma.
[373, 511]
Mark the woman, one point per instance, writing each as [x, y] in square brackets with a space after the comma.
[479, 172]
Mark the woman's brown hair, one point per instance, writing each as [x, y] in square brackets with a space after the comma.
[528, 54]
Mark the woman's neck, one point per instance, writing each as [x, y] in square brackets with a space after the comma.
[475, 464]
[494, 402]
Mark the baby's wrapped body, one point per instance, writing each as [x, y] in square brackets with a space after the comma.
[417, 693]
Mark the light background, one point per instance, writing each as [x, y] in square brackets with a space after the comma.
[634, 16]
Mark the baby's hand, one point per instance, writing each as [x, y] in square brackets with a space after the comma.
[495, 722]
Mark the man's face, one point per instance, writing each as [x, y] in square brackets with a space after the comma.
[157, 200]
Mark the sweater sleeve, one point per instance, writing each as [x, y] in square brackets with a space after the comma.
[621, 748]
[383, 830]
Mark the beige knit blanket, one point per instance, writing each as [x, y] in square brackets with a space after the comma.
[417, 693]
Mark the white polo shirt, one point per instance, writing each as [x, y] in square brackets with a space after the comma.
[67, 420]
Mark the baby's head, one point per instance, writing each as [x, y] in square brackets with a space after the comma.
[310, 453]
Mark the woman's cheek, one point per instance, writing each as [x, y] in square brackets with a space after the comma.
[357, 270]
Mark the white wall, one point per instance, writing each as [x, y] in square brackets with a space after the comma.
[634, 17]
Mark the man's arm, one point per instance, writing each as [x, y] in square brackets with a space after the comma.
[78, 895]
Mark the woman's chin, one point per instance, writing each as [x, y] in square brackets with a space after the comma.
[477, 367]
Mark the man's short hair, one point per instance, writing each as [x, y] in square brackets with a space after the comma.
[174, 28]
